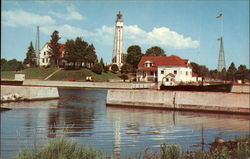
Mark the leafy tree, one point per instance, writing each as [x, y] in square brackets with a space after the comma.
[70, 52]
[134, 55]
[231, 72]
[97, 68]
[91, 57]
[155, 51]
[54, 51]
[241, 73]
[127, 68]
[114, 68]
[106, 68]
[11, 65]
[124, 77]
[81, 49]
[30, 56]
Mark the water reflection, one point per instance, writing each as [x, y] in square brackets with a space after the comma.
[157, 126]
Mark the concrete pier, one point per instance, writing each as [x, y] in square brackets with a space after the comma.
[28, 93]
[181, 100]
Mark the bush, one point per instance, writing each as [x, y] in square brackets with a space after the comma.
[124, 77]
[114, 68]
[97, 68]
[127, 68]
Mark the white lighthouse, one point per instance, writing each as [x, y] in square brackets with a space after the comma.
[117, 50]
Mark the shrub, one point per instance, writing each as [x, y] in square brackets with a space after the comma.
[124, 77]
[97, 68]
[114, 68]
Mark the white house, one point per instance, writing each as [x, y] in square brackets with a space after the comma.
[44, 57]
[169, 70]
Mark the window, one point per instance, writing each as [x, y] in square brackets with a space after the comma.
[175, 72]
[186, 73]
[152, 73]
[44, 53]
[43, 60]
[162, 72]
[167, 79]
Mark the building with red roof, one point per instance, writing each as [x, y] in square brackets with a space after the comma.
[44, 57]
[169, 70]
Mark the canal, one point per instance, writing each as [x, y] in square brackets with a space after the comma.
[82, 115]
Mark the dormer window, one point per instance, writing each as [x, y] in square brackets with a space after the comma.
[148, 63]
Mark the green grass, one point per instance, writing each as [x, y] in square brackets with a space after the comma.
[80, 75]
[61, 149]
[38, 73]
[68, 149]
[8, 74]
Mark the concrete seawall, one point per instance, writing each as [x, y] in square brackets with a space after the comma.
[30, 93]
[118, 85]
[182, 100]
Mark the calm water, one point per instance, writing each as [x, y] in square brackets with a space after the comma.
[81, 115]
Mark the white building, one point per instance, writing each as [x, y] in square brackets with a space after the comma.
[44, 57]
[169, 70]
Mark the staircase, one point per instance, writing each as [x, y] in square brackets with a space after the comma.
[53, 73]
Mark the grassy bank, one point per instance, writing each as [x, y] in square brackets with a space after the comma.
[80, 75]
[64, 149]
[62, 75]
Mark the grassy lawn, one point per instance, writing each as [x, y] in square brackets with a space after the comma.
[63, 75]
[8, 74]
[80, 75]
[38, 73]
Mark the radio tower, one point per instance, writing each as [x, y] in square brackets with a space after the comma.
[37, 47]
[221, 59]
[117, 50]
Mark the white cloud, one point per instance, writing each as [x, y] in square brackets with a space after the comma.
[65, 31]
[71, 14]
[158, 36]
[15, 18]
[133, 34]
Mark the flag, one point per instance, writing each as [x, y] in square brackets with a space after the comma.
[218, 16]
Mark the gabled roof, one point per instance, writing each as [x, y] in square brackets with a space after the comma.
[164, 61]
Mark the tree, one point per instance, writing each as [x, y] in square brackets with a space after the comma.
[97, 68]
[11, 65]
[124, 77]
[91, 55]
[127, 68]
[81, 50]
[102, 63]
[134, 55]
[54, 51]
[114, 68]
[231, 72]
[155, 51]
[30, 56]
[241, 73]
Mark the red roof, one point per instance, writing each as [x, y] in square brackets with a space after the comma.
[163, 61]
[62, 47]
[147, 69]
[194, 74]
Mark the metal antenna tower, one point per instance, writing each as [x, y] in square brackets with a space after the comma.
[221, 59]
[37, 47]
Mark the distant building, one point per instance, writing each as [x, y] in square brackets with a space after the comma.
[44, 57]
[169, 70]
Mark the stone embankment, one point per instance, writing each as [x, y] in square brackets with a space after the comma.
[19, 93]
[110, 85]
[181, 100]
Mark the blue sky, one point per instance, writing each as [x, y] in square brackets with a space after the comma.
[185, 28]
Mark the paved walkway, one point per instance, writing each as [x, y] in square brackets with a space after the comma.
[52, 74]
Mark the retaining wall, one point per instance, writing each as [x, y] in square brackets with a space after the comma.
[241, 88]
[120, 85]
[31, 93]
[198, 101]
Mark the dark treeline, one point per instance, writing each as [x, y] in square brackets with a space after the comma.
[230, 74]
[11, 65]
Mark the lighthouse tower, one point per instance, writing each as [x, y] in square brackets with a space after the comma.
[117, 50]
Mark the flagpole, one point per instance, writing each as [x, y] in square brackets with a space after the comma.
[222, 25]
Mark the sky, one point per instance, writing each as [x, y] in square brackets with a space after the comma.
[188, 29]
